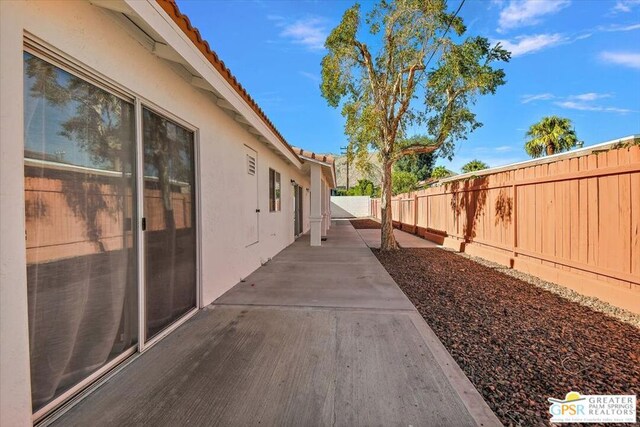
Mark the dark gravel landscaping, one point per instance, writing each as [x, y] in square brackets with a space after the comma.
[365, 224]
[517, 343]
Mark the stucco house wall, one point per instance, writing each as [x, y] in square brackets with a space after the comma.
[92, 38]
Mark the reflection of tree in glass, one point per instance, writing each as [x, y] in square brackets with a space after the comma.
[167, 152]
[168, 166]
[100, 126]
[46, 83]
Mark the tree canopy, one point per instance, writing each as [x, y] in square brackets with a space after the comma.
[420, 164]
[403, 182]
[550, 135]
[473, 166]
[440, 172]
[364, 187]
[385, 90]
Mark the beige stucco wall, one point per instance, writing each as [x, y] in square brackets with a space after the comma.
[15, 403]
[92, 37]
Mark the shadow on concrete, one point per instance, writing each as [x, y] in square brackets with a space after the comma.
[338, 212]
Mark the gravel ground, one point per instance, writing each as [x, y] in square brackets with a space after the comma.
[365, 224]
[591, 302]
[519, 344]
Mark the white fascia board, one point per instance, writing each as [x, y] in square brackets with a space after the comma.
[153, 14]
[325, 166]
[116, 6]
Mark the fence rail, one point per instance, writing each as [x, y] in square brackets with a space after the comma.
[574, 221]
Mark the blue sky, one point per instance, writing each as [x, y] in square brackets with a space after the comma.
[574, 58]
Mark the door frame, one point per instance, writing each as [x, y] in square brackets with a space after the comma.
[298, 209]
[141, 103]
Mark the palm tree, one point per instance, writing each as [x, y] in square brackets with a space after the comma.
[474, 166]
[440, 172]
[550, 135]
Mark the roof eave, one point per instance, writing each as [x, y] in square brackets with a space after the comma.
[181, 43]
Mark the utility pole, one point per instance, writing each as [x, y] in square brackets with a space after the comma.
[345, 150]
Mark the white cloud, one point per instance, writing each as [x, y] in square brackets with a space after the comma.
[539, 97]
[581, 102]
[313, 77]
[523, 45]
[585, 106]
[590, 96]
[616, 28]
[504, 148]
[520, 13]
[625, 6]
[309, 32]
[583, 36]
[626, 59]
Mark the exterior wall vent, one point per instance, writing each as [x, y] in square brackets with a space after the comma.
[251, 165]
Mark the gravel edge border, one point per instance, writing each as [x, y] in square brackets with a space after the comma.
[593, 303]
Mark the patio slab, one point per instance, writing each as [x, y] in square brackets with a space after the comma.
[318, 340]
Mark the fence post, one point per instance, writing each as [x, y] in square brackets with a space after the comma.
[415, 213]
[515, 218]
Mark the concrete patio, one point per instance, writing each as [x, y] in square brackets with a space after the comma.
[317, 336]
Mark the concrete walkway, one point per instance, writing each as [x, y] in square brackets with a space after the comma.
[318, 336]
[371, 238]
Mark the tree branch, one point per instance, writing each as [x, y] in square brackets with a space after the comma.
[368, 62]
[415, 149]
[444, 128]
[404, 105]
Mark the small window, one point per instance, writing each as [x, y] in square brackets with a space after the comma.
[274, 191]
[251, 165]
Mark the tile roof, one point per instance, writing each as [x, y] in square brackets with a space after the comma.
[310, 155]
[182, 20]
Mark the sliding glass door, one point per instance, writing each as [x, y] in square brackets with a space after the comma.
[81, 259]
[170, 235]
[110, 227]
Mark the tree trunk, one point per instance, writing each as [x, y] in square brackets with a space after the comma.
[388, 240]
[550, 149]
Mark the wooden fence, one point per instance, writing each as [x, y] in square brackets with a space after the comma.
[572, 219]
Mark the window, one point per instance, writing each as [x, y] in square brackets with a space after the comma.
[274, 191]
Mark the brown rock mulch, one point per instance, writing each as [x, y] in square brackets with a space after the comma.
[517, 343]
[365, 224]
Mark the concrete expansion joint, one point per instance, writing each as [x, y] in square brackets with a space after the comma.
[381, 310]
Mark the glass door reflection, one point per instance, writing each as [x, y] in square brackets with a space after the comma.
[81, 257]
[169, 211]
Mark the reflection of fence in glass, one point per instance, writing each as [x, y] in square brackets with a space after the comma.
[81, 261]
[55, 230]
[170, 239]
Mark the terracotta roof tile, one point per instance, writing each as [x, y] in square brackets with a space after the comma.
[192, 32]
[311, 155]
